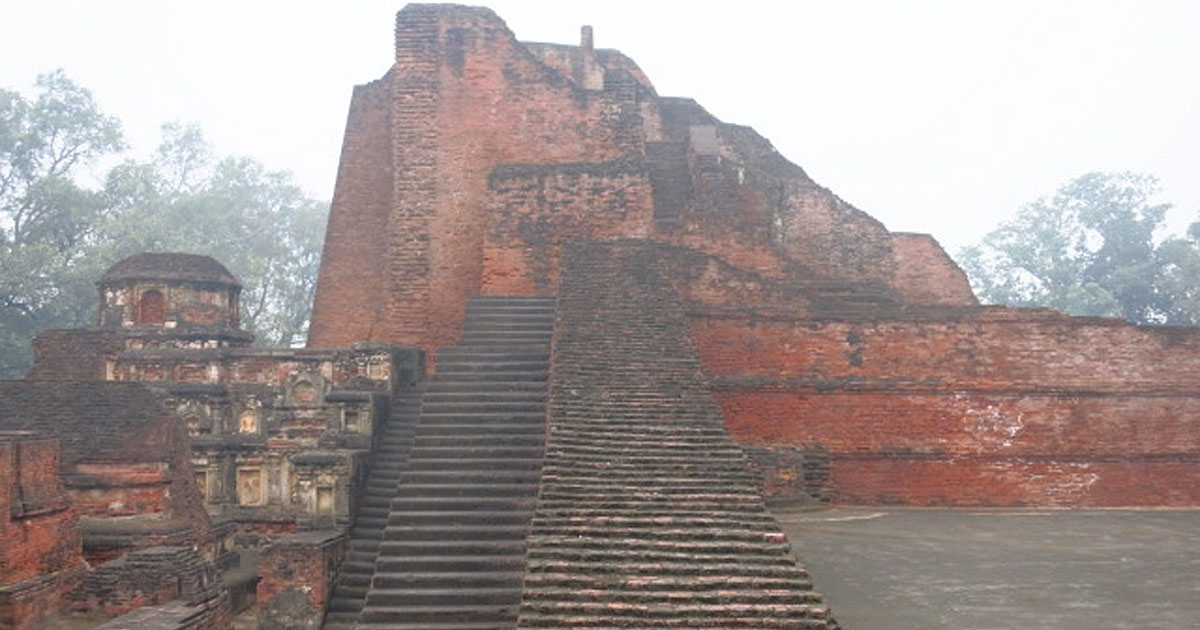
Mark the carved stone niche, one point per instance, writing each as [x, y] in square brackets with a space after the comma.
[305, 389]
[323, 485]
[197, 416]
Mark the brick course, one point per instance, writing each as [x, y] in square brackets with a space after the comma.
[996, 407]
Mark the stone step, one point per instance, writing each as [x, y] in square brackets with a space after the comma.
[440, 614]
[490, 407]
[553, 489]
[347, 600]
[689, 582]
[473, 476]
[459, 518]
[462, 595]
[391, 567]
[521, 300]
[450, 356]
[579, 534]
[373, 511]
[475, 464]
[484, 417]
[498, 397]
[487, 372]
[340, 620]
[482, 429]
[477, 317]
[461, 504]
[628, 506]
[473, 452]
[444, 532]
[716, 595]
[470, 579]
[508, 343]
[668, 514]
[368, 545]
[452, 384]
[508, 310]
[546, 521]
[461, 507]
[598, 621]
[742, 481]
[711, 613]
[368, 532]
[580, 547]
[413, 548]
[455, 490]
[647, 555]
[492, 323]
[494, 438]
[504, 624]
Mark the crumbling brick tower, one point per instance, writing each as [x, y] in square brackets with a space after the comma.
[476, 158]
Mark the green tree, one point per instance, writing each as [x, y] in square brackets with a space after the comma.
[47, 219]
[255, 221]
[57, 236]
[1090, 249]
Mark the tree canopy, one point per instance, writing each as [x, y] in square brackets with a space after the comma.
[1092, 248]
[62, 224]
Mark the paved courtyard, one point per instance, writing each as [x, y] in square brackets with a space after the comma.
[900, 569]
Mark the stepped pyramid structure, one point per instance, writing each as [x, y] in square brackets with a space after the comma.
[570, 338]
[847, 360]
[699, 325]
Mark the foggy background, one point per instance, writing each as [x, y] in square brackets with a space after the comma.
[939, 117]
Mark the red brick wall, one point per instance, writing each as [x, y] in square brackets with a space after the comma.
[38, 534]
[534, 210]
[415, 231]
[925, 274]
[999, 407]
[77, 354]
[39, 540]
[465, 98]
[979, 349]
[352, 265]
[1013, 481]
[296, 576]
[122, 451]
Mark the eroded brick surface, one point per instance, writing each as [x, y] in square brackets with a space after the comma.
[649, 514]
[40, 553]
[476, 156]
[993, 407]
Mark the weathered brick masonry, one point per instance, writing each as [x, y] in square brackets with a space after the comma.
[471, 162]
[995, 407]
[125, 461]
[39, 540]
[648, 513]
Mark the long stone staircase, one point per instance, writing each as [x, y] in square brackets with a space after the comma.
[390, 457]
[452, 554]
[649, 515]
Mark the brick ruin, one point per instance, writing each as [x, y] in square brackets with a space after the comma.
[476, 157]
[178, 437]
[569, 338]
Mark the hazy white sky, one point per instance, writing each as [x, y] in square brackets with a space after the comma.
[933, 116]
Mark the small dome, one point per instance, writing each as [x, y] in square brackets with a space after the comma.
[170, 266]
